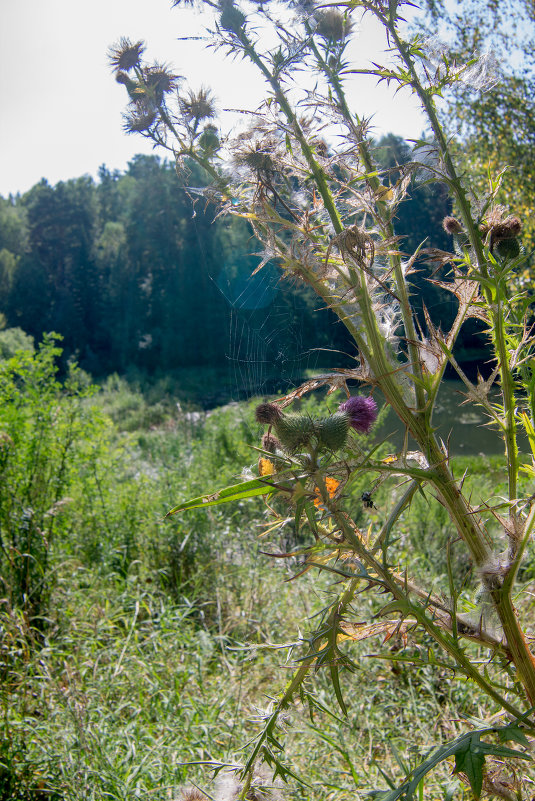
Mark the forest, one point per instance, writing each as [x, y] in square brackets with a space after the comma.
[267, 431]
[139, 279]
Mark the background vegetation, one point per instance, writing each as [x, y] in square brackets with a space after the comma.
[131, 647]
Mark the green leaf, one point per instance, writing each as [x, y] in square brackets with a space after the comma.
[337, 689]
[470, 761]
[469, 753]
[237, 492]
[515, 733]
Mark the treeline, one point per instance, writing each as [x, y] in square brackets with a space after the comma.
[135, 272]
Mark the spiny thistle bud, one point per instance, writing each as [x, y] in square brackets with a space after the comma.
[508, 248]
[332, 431]
[451, 225]
[231, 19]
[268, 413]
[362, 412]
[333, 25]
[504, 237]
[209, 140]
[126, 54]
[294, 431]
[256, 157]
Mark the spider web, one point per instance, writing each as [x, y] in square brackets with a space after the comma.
[267, 350]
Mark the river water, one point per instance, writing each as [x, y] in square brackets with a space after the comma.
[462, 423]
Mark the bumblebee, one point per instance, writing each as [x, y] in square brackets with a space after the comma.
[366, 499]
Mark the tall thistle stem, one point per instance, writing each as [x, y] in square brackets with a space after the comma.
[520, 651]
[387, 227]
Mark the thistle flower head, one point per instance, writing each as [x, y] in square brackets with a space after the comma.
[451, 225]
[270, 443]
[139, 119]
[268, 413]
[159, 80]
[333, 25]
[362, 412]
[124, 55]
[198, 105]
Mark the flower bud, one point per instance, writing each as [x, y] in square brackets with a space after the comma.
[332, 431]
[209, 140]
[232, 19]
[294, 431]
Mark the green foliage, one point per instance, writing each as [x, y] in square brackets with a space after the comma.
[141, 669]
[44, 431]
[138, 277]
[495, 129]
[13, 340]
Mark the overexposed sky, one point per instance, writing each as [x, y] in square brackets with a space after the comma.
[61, 108]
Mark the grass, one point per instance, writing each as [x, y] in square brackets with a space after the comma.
[161, 643]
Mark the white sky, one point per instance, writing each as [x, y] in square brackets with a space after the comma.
[61, 108]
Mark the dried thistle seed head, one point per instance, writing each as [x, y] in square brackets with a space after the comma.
[508, 229]
[257, 156]
[322, 148]
[451, 225]
[362, 412]
[191, 794]
[139, 119]
[267, 413]
[304, 8]
[333, 25]
[125, 55]
[262, 787]
[134, 89]
[159, 80]
[270, 443]
[123, 78]
[198, 105]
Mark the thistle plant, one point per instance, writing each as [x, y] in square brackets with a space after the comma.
[325, 213]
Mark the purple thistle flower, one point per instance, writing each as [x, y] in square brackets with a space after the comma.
[362, 412]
